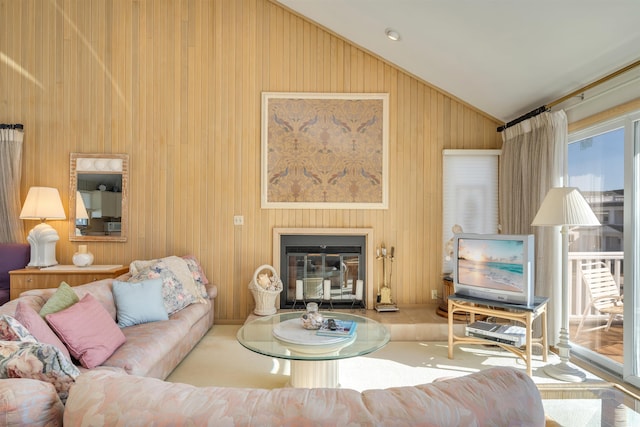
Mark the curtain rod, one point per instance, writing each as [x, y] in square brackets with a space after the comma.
[11, 126]
[547, 107]
[524, 117]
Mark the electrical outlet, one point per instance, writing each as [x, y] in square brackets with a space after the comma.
[434, 294]
[238, 220]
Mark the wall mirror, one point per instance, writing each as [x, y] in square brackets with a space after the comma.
[98, 197]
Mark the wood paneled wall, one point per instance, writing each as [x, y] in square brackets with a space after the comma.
[177, 85]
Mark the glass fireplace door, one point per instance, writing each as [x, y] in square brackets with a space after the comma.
[322, 277]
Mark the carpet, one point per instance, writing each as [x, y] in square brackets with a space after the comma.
[219, 360]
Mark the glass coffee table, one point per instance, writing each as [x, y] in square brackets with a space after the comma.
[314, 359]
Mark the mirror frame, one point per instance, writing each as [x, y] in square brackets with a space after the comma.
[98, 164]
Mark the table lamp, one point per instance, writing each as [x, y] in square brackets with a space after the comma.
[81, 213]
[43, 203]
[81, 209]
[564, 206]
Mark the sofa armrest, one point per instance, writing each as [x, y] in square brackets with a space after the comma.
[212, 290]
[29, 402]
[498, 396]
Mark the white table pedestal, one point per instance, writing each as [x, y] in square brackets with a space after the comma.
[321, 373]
[314, 374]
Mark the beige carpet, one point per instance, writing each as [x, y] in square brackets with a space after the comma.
[219, 360]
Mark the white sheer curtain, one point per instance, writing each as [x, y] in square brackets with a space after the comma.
[534, 154]
[11, 229]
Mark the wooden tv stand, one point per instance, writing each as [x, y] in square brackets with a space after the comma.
[516, 312]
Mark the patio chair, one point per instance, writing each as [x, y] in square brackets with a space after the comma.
[604, 295]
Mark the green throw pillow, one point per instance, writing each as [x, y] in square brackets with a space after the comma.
[63, 298]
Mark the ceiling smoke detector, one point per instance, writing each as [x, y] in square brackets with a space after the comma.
[392, 34]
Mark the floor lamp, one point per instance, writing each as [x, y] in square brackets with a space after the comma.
[566, 207]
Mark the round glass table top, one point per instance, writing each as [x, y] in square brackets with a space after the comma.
[258, 335]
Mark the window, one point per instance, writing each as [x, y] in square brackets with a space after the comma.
[470, 194]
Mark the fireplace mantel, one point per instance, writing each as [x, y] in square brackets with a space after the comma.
[366, 232]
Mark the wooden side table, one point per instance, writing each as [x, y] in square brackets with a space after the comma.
[447, 290]
[51, 277]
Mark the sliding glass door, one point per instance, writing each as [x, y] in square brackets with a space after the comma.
[631, 370]
[603, 164]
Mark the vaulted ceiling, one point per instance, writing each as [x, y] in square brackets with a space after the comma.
[504, 57]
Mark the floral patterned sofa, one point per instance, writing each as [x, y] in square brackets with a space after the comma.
[148, 349]
[493, 397]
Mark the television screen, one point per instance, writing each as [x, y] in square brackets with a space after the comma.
[495, 267]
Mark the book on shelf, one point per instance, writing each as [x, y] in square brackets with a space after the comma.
[337, 328]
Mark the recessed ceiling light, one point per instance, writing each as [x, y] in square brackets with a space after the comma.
[392, 34]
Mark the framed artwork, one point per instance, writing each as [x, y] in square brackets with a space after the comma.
[325, 151]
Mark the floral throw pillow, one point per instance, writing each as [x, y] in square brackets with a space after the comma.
[12, 330]
[198, 274]
[174, 293]
[186, 268]
[38, 361]
[137, 266]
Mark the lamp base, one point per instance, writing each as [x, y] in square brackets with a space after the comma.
[42, 239]
[563, 372]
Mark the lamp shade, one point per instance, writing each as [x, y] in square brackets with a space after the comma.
[81, 210]
[43, 203]
[565, 206]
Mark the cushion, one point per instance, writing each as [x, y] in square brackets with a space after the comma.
[175, 294]
[36, 325]
[63, 297]
[194, 267]
[27, 402]
[139, 302]
[137, 266]
[12, 330]
[180, 268]
[197, 273]
[88, 331]
[38, 361]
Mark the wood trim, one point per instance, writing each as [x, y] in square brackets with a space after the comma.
[604, 116]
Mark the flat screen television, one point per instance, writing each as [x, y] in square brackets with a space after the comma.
[497, 267]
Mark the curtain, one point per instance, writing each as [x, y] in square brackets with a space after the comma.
[534, 156]
[11, 228]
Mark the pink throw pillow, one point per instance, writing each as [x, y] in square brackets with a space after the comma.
[88, 330]
[38, 327]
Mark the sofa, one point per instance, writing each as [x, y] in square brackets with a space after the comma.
[493, 397]
[13, 256]
[150, 349]
[128, 388]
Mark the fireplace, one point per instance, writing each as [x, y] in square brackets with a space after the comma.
[329, 266]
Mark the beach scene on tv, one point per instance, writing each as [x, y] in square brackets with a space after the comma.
[496, 264]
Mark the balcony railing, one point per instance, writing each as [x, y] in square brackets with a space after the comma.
[579, 296]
